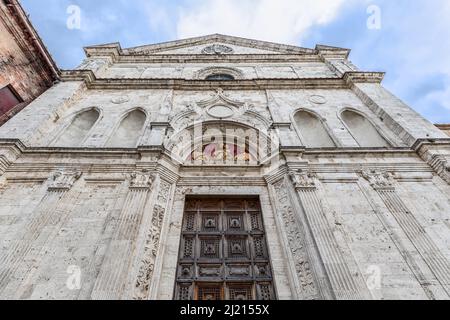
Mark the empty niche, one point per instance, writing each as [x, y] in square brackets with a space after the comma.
[129, 131]
[312, 131]
[363, 131]
[77, 131]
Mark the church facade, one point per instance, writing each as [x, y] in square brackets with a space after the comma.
[222, 168]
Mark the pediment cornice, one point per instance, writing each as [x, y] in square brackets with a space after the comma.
[160, 50]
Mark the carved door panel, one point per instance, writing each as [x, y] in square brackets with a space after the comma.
[223, 251]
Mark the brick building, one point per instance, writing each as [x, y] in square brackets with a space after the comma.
[26, 67]
[445, 128]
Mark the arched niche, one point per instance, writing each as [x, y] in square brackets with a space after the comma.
[221, 142]
[129, 131]
[312, 130]
[363, 131]
[77, 131]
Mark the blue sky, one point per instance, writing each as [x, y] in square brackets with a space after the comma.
[412, 44]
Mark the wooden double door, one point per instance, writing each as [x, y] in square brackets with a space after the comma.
[223, 251]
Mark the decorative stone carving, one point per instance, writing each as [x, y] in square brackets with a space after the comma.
[219, 98]
[92, 64]
[382, 180]
[153, 237]
[3, 186]
[120, 100]
[317, 99]
[303, 179]
[150, 253]
[181, 191]
[141, 180]
[63, 180]
[217, 49]
[296, 243]
[167, 105]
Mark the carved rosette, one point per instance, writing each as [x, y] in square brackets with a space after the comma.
[217, 49]
[63, 180]
[141, 180]
[379, 180]
[303, 179]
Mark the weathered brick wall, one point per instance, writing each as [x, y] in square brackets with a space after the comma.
[21, 65]
[445, 128]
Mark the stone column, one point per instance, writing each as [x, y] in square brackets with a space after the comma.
[304, 277]
[147, 267]
[384, 183]
[346, 286]
[52, 211]
[111, 281]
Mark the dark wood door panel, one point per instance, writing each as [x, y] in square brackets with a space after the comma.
[223, 251]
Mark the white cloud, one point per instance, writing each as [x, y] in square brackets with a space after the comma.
[283, 21]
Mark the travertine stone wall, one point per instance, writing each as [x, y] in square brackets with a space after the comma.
[92, 221]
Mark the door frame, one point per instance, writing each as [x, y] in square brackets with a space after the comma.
[164, 289]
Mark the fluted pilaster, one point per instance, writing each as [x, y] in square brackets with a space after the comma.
[345, 285]
[384, 184]
[51, 211]
[112, 278]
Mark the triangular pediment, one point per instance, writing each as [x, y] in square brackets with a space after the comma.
[217, 44]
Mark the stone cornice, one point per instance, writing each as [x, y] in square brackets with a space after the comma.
[21, 148]
[430, 142]
[181, 84]
[203, 40]
[328, 52]
[345, 82]
[363, 77]
[235, 58]
[117, 56]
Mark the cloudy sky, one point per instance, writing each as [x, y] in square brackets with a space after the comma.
[410, 40]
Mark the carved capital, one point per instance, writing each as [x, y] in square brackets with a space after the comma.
[141, 180]
[303, 179]
[63, 180]
[379, 180]
[441, 166]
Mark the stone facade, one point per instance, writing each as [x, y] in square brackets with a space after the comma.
[26, 67]
[353, 184]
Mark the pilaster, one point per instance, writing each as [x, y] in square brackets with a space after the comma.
[52, 211]
[383, 183]
[111, 281]
[346, 286]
